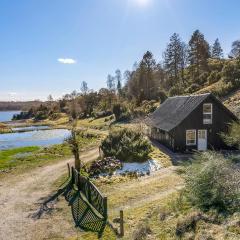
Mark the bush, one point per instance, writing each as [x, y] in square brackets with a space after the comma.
[212, 182]
[121, 112]
[193, 88]
[233, 137]
[176, 90]
[142, 231]
[102, 114]
[231, 72]
[214, 77]
[162, 96]
[126, 145]
[224, 88]
[203, 78]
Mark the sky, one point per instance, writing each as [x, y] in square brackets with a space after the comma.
[51, 46]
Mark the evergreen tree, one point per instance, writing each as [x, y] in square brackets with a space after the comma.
[110, 82]
[84, 87]
[235, 52]
[217, 51]
[175, 59]
[146, 76]
[199, 53]
[118, 78]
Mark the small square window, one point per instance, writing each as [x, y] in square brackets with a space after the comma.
[191, 137]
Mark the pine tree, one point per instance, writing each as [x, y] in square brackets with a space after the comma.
[110, 82]
[235, 52]
[84, 87]
[175, 59]
[118, 78]
[146, 76]
[199, 53]
[217, 51]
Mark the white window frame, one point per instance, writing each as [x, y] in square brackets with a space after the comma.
[195, 140]
[208, 121]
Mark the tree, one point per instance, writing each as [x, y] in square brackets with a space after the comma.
[199, 53]
[50, 98]
[146, 73]
[217, 51]
[110, 82]
[118, 78]
[73, 143]
[175, 59]
[84, 87]
[235, 52]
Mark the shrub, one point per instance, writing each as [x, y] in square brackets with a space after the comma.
[214, 77]
[231, 72]
[162, 95]
[203, 78]
[233, 137]
[193, 88]
[142, 231]
[176, 90]
[126, 145]
[121, 112]
[190, 224]
[102, 114]
[212, 182]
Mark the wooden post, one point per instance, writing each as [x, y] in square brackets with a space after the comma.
[69, 170]
[121, 224]
[73, 178]
[105, 208]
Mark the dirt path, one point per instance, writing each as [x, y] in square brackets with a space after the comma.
[21, 195]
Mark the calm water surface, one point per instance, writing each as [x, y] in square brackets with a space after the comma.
[30, 128]
[33, 138]
[7, 115]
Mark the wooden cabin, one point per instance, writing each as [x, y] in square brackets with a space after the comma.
[192, 122]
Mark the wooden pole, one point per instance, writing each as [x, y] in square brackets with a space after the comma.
[121, 224]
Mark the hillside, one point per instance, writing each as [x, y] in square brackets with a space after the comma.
[8, 106]
[233, 102]
[231, 99]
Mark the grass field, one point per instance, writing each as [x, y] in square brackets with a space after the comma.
[23, 159]
[154, 208]
[99, 123]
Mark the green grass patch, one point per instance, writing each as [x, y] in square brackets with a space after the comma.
[20, 160]
[99, 123]
[8, 158]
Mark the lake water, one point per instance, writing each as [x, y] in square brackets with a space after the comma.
[30, 128]
[7, 115]
[33, 138]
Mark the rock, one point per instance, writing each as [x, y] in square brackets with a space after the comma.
[104, 166]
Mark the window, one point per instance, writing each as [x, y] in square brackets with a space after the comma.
[207, 113]
[191, 137]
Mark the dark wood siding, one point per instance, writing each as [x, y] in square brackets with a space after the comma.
[163, 137]
[220, 122]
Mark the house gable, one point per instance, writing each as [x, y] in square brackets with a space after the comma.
[221, 118]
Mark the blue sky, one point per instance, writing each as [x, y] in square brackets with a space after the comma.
[38, 37]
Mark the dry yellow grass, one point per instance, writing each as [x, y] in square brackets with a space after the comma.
[233, 102]
[163, 158]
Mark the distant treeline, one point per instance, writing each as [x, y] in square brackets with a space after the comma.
[21, 106]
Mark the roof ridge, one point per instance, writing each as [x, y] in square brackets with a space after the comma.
[191, 95]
